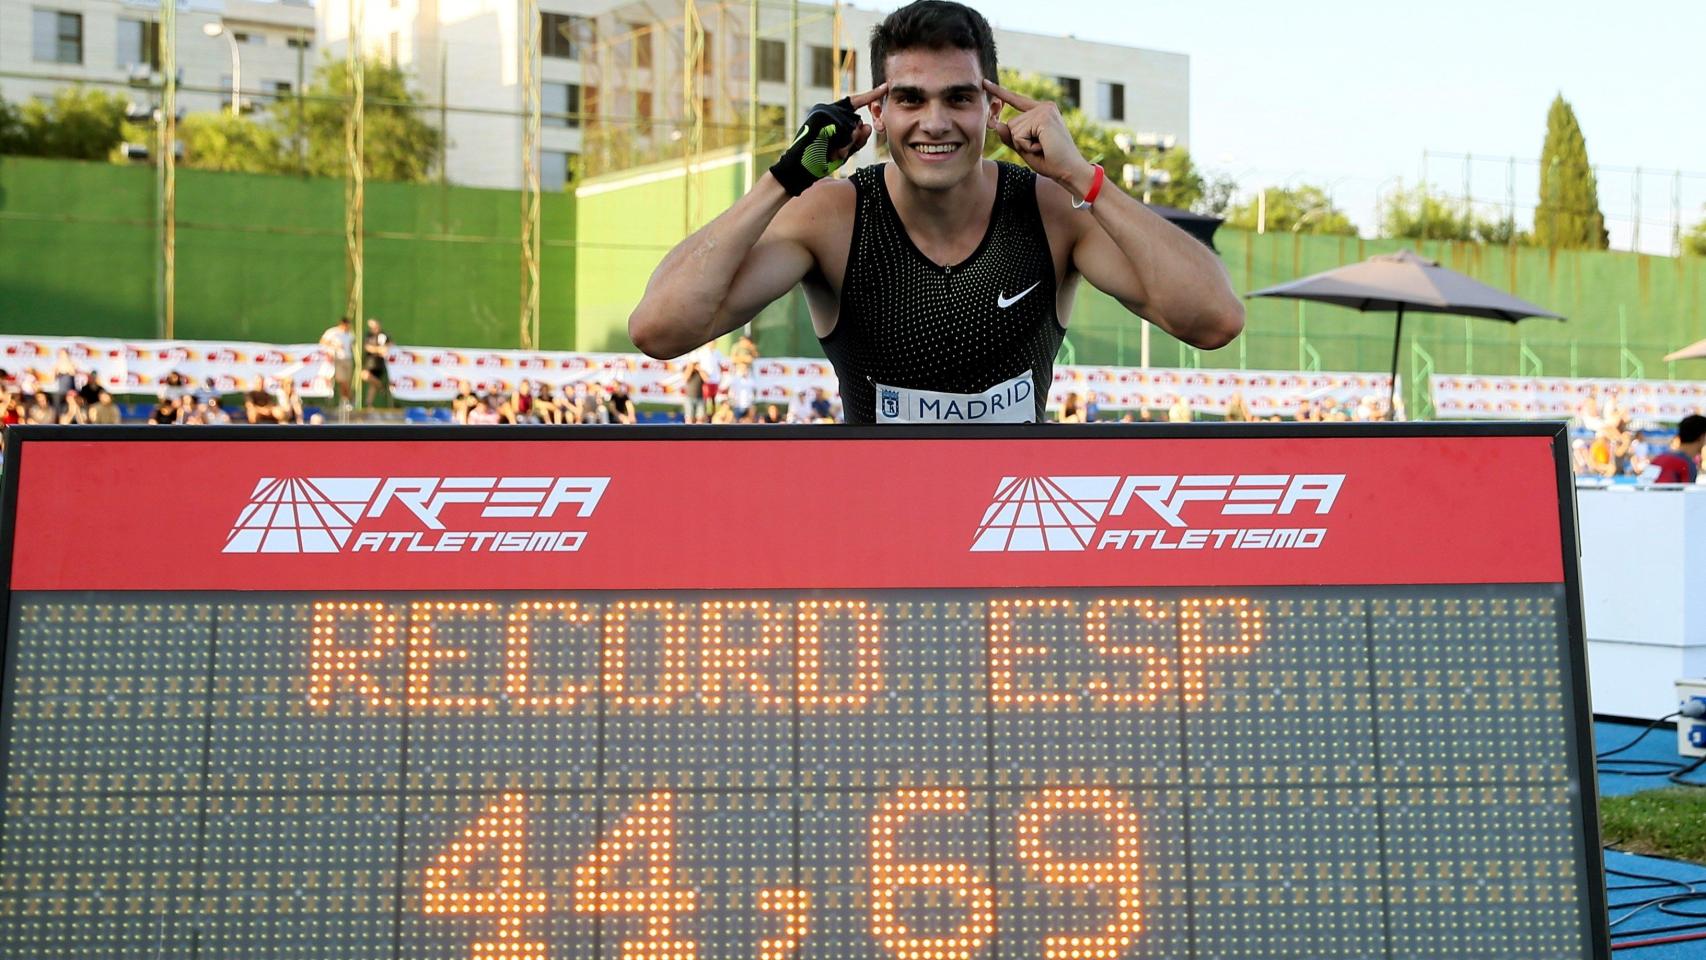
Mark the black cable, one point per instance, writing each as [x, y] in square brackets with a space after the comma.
[1685, 771]
[1650, 728]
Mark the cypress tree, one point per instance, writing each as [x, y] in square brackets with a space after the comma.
[1568, 215]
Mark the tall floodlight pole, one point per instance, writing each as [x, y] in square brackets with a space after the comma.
[751, 94]
[355, 186]
[692, 61]
[531, 106]
[166, 172]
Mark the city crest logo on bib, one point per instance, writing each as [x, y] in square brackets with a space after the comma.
[890, 399]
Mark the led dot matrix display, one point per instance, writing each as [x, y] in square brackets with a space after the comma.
[917, 774]
[1075, 772]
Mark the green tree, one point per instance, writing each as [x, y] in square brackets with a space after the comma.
[1420, 215]
[1694, 241]
[399, 144]
[1301, 209]
[220, 141]
[11, 128]
[1568, 215]
[79, 123]
[1175, 180]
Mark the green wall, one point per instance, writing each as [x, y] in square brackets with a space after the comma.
[1625, 311]
[262, 257]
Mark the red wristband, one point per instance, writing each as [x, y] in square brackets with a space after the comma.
[1095, 188]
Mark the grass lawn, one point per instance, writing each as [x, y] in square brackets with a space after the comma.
[1663, 823]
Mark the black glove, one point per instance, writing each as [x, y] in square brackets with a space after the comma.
[828, 127]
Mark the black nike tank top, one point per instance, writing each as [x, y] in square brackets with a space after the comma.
[907, 322]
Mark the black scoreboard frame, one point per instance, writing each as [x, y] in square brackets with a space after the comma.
[19, 438]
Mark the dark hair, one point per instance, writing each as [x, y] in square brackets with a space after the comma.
[1692, 428]
[934, 24]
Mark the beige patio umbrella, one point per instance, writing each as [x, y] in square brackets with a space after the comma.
[1406, 281]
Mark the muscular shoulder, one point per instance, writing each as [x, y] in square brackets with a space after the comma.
[821, 219]
[1062, 221]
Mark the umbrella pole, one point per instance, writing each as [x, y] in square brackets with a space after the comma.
[1392, 387]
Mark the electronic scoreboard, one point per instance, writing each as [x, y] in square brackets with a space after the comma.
[1088, 693]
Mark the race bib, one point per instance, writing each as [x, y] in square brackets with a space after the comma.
[1010, 401]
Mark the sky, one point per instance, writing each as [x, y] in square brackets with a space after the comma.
[1350, 94]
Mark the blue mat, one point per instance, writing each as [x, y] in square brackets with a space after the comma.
[1639, 879]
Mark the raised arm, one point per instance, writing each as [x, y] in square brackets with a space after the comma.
[721, 276]
[1154, 269]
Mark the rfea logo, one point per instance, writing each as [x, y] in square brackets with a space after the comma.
[414, 514]
[1076, 513]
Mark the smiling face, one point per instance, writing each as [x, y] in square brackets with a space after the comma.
[934, 115]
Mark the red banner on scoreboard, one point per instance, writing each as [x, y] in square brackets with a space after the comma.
[784, 514]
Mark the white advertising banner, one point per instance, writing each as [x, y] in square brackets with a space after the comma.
[426, 374]
[1528, 398]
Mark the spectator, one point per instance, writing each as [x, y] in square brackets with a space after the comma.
[744, 351]
[65, 376]
[486, 411]
[71, 408]
[692, 392]
[822, 410]
[742, 390]
[524, 407]
[800, 407]
[14, 410]
[597, 405]
[1306, 412]
[1069, 410]
[104, 410]
[1237, 410]
[772, 414]
[464, 402]
[1587, 413]
[40, 409]
[89, 389]
[375, 347]
[725, 414]
[1605, 451]
[258, 403]
[288, 409]
[338, 344]
[620, 405]
[1180, 411]
[1092, 406]
[165, 411]
[214, 413]
[1680, 463]
[190, 411]
[549, 411]
[173, 386]
[709, 360]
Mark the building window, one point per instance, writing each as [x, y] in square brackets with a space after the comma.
[240, 36]
[1110, 100]
[643, 105]
[823, 67]
[280, 88]
[553, 170]
[642, 34]
[554, 99]
[772, 61]
[138, 43]
[297, 43]
[569, 101]
[1070, 93]
[58, 36]
[567, 37]
[393, 45]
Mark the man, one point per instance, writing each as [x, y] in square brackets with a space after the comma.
[940, 283]
[1680, 463]
[338, 343]
[375, 348]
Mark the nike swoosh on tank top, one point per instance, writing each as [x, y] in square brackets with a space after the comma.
[908, 322]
